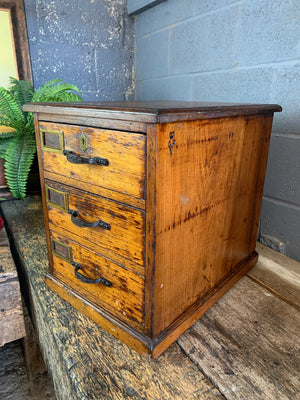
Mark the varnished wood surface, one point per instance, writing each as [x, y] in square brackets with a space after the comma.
[247, 344]
[11, 313]
[103, 122]
[124, 151]
[151, 111]
[150, 224]
[207, 216]
[125, 296]
[126, 234]
[160, 106]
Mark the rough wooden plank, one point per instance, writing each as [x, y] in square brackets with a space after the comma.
[7, 266]
[248, 345]
[11, 313]
[279, 274]
[85, 361]
[34, 362]
[3, 238]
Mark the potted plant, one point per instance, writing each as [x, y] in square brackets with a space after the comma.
[17, 138]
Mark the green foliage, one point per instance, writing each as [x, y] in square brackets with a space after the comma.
[18, 146]
[21, 150]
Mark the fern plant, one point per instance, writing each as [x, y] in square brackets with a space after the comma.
[17, 139]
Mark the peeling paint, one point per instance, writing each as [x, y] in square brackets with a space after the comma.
[89, 44]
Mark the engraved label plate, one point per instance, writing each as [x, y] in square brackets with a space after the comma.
[61, 250]
[52, 140]
[57, 199]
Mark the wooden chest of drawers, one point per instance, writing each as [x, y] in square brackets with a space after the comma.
[151, 208]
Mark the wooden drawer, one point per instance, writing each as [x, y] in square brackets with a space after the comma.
[120, 230]
[122, 291]
[123, 152]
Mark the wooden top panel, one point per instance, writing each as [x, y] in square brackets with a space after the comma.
[152, 111]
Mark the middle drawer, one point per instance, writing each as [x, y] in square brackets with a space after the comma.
[116, 228]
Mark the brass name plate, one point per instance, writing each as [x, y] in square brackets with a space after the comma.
[61, 250]
[57, 199]
[52, 140]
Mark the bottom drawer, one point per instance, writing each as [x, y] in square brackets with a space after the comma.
[117, 290]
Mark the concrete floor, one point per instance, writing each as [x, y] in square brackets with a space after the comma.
[14, 382]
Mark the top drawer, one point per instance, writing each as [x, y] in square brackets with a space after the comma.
[101, 158]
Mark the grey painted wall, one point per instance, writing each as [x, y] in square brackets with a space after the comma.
[236, 51]
[89, 43]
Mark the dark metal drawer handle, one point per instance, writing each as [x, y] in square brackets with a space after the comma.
[85, 279]
[84, 224]
[77, 159]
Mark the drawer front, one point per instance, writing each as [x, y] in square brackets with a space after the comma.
[98, 280]
[112, 160]
[116, 227]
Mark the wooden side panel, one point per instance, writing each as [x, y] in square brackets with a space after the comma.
[210, 177]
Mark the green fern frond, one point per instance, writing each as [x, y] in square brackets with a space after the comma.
[3, 146]
[18, 148]
[39, 93]
[57, 92]
[66, 97]
[22, 92]
[18, 161]
[10, 113]
[5, 135]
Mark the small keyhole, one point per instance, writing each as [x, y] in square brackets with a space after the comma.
[83, 142]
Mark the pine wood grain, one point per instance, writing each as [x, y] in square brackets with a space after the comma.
[102, 122]
[125, 296]
[207, 216]
[248, 345]
[125, 152]
[127, 227]
[101, 191]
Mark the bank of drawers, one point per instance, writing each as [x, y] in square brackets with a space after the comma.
[97, 244]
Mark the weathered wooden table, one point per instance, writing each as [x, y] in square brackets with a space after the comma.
[11, 312]
[245, 347]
